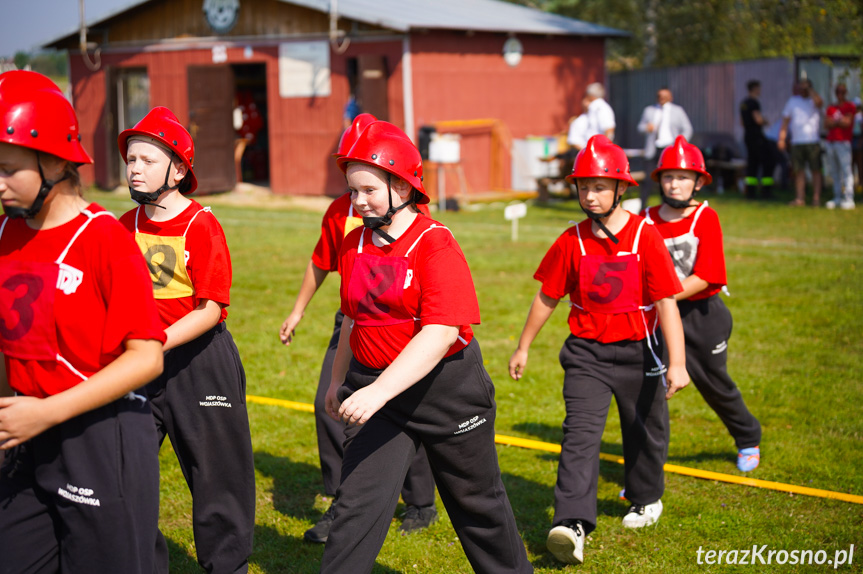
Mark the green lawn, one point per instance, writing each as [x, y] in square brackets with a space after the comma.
[796, 279]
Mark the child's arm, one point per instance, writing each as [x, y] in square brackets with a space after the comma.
[691, 285]
[22, 418]
[672, 331]
[200, 320]
[540, 310]
[422, 354]
[341, 363]
[312, 281]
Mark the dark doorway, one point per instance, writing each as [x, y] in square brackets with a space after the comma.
[250, 123]
[372, 85]
[211, 98]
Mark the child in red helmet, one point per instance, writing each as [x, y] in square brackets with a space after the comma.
[694, 239]
[408, 371]
[79, 332]
[621, 284]
[200, 399]
[418, 489]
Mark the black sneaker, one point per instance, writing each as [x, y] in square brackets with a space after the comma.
[319, 533]
[418, 517]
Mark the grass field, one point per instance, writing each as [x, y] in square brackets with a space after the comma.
[796, 280]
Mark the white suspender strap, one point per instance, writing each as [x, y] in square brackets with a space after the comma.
[637, 237]
[362, 240]
[433, 226]
[2, 227]
[90, 217]
[207, 209]
[697, 215]
[580, 242]
[136, 218]
[351, 210]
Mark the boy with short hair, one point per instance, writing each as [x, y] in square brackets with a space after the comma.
[621, 286]
[694, 239]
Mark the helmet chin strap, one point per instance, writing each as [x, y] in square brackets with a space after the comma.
[598, 217]
[375, 223]
[44, 189]
[142, 198]
[678, 203]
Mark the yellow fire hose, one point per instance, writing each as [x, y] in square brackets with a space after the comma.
[673, 468]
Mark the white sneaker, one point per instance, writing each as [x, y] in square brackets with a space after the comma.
[566, 542]
[830, 204]
[847, 205]
[640, 515]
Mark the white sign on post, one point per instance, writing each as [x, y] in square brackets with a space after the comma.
[513, 213]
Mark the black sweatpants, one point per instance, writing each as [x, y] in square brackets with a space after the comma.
[759, 158]
[707, 327]
[199, 401]
[594, 372]
[451, 412]
[83, 496]
[418, 487]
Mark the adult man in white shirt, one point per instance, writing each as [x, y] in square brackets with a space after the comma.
[661, 122]
[802, 113]
[600, 116]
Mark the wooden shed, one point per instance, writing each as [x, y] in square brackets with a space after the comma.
[269, 80]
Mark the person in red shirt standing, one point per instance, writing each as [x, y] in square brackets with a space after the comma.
[694, 240]
[839, 121]
[408, 370]
[200, 399]
[79, 333]
[418, 489]
[621, 285]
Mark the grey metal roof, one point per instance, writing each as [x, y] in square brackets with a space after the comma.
[479, 15]
[406, 15]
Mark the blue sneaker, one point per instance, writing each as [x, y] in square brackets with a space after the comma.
[748, 459]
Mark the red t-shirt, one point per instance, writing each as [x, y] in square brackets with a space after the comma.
[339, 220]
[102, 299]
[436, 288]
[837, 111]
[704, 256]
[207, 260]
[559, 274]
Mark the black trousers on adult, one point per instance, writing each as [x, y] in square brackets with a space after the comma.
[199, 401]
[707, 327]
[451, 412]
[647, 186]
[418, 487]
[83, 496]
[760, 158]
[594, 372]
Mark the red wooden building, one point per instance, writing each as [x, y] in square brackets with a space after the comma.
[296, 63]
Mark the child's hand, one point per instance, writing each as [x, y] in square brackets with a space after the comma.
[677, 378]
[286, 333]
[517, 363]
[363, 404]
[332, 403]
[22, 418]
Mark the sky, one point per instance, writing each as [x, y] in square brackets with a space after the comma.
[26, 24]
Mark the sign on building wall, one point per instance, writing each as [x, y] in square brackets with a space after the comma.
[304, 69]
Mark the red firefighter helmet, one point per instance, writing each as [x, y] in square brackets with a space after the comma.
[681, 155]
[350, 135]
[385, 146]
[601, 158]
[35, 114]
[162, 125]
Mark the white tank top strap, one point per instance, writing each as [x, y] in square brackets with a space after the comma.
[2, 227]
[137, 209]
[647, 214]
[638, 236]
[433, 226]
[697, 215]
[351, 210]
[90, 217]
[207, 209]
